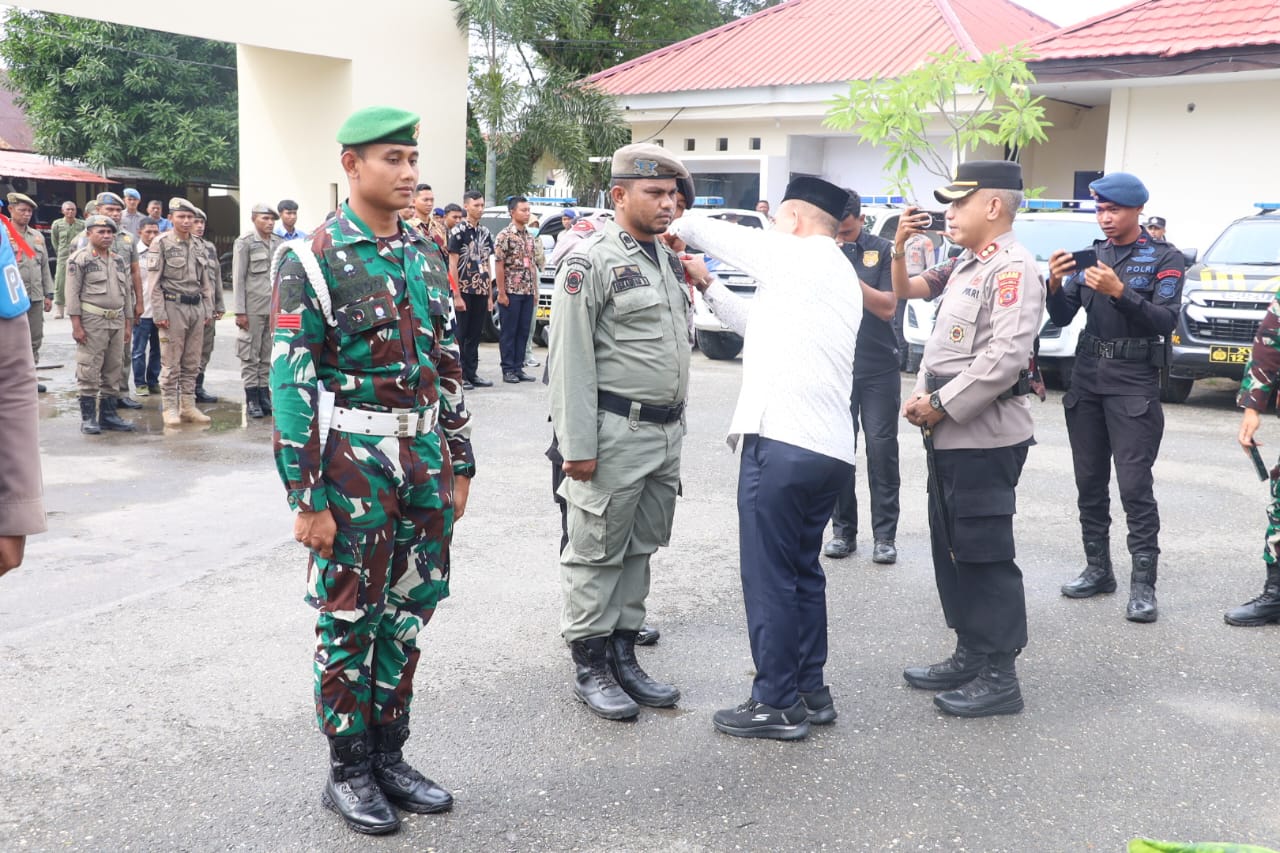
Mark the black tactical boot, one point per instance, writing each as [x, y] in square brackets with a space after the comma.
[351, 790]
[203, 396]
[595, 684]
[108, 418]
[1263, 609]
[648, 635]
[264, 398]
[1097, 576]
[634, 680]
[89, 416]
[252, 405]
[1142, 589]
[994, 691]
[403, 785]
[962, 667]
[127, 402]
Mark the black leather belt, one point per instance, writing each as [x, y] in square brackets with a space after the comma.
[1150, 350]
[182, 297]
[619, 405]
[1021, 387]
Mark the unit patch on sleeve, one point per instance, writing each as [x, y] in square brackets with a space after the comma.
[1008, 284]
[578, 267]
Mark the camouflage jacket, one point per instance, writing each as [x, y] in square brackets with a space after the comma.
[1263, 369]
[382, 291]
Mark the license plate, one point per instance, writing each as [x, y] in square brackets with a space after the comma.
[1229, 355]
[543, 313]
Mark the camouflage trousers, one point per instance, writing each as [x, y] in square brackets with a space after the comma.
[1271, 549]
[392, 500]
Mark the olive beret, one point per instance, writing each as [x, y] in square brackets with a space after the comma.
[263, 207]
[387, 125]
[646, 160]
[99, 220]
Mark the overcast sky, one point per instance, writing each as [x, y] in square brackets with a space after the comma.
[1066, 12]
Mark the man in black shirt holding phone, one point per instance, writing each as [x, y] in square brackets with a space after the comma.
[1131, 294]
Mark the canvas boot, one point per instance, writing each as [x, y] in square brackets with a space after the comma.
[188, 412]
[1142, 589]
[1097, 576]
[994, 691]
[594, 683]
[404, 786]
[351, 790]
[110, 419]
[1263, 609]
[89, 416]
[963, 666]
[632, 678]
[170, 404]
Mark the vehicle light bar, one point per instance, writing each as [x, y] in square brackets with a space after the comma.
[883, 199]
[708, 201]
[1264, 206]
[1057, 204]
[538, 199]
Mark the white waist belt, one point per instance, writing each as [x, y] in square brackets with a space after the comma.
[401, 424]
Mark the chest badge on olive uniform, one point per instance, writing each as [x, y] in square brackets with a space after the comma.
[628, 277]
[870, 257]
[1007, 285]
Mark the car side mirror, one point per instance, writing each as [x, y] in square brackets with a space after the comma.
[1190, 255]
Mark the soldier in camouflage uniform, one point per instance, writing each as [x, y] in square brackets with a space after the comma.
[1261, 378]
[377, 494]
[34, 270]
[214, 272]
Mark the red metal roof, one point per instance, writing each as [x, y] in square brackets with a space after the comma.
[1166, 28]
[799, 42]
[21, 164]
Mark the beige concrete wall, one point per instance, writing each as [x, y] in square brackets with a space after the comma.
[1077, 142]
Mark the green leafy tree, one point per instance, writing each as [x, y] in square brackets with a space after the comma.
[123, 96]
[983, 102]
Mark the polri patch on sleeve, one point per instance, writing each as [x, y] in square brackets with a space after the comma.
[1169, 281]
[1008, 283]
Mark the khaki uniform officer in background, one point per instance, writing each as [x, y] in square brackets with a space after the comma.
[214, 272]
[100, 304]
[34, 271]
[181, 304]
[619, 372]
[126, 246]
[251, 284]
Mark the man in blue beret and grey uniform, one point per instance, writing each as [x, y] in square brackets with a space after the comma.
[1131, 298]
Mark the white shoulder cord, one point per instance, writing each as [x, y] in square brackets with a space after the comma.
[325, 399]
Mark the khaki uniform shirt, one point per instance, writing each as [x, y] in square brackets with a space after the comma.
[620, 326]
[100, 280]
[986, 326]
[214, 272]
[177, 267]
[250, 273]
[35, 271]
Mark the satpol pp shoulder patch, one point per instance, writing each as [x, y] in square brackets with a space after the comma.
[578, 267]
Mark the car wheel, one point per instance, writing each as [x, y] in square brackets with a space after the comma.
[1174, 389]
[913, 359]
[719, 346]
[492, 326]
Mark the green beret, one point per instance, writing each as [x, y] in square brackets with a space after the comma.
[380, 124]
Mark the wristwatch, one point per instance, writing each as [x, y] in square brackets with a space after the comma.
[896, 253]
[936, 402]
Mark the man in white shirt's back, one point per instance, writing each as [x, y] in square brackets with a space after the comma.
[797, 438]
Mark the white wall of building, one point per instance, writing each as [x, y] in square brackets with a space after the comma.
[1077, 143]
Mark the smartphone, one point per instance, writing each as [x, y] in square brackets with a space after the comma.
[937, 221]
[1258, 464]
[1084, 259]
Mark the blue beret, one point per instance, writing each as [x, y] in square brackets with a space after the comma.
[1120, 188]
[569, 213]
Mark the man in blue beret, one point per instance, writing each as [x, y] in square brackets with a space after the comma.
[1131, 297]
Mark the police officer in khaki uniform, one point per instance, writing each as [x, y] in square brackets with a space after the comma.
[181, 304]
[251, 286]
[34, 271]
[100, 304]
[971, 404]
[619, 371]
[126, 246]
[214, 272]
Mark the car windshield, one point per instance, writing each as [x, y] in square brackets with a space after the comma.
[1252, 242]
[1043, 237]
[744, 221]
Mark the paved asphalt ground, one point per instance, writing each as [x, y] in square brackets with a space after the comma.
[156, 686]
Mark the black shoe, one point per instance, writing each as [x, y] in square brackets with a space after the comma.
[154, 389]
[633, 679]
[89, 416]
[127, 402]
[647, 635]
[594, 683]
[109, 419]
[264, 400]
[511, 379]
[252, 405]
[884, 552]
[755, 719]
[481, 382]
[820, 705]
[203, 396]
[40, 389]
[994, 691]
[1261, 610]
[1097, 576]
[962, 667]
[351, 790]
[1142, 589]
[839, 548]
[524, 377]
[467, 386]
[404, 786]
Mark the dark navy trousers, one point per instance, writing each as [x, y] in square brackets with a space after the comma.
[785, 496]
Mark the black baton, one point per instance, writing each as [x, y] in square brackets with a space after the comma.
[935, 489]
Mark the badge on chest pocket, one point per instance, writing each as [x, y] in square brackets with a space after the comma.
[365, 314]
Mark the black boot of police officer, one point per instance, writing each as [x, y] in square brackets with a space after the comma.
[1263, 609]
[351, 790]
[963, 666]
[994, 691]
[632, 678]
[1142, 589]
[1097, 576]
[403, 786]
[594, 681]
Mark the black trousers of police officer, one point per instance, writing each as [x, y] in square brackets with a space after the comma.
[981, 585]
[1128, 429]
[876, 401]
[785, 495]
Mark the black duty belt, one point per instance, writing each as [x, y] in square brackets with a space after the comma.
[620, 405]
[1150, 350]
[1018, 389]
[193, 299]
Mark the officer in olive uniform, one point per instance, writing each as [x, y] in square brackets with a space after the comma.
[1131, 300]
[100, 304]
[619, 372]
[971, 404]
[64, 233]
[181, 305]
[251, 284]
[124, 245]
[34, 270]
[214, 273]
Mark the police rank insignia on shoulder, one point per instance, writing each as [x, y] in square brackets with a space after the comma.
[870, 257]
[676, 267]
[629, 242]
[1007, 286]
[628, 277]
[988, 250]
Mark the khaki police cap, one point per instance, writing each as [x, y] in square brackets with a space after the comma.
[200, 214]
[110, 198]
[90, 207]
[646, 160]
[388, 125]
[176, 203]
[19, 198]
[99, 220]
[262, 207]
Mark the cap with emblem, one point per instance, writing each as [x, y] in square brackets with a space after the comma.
[110, 198]
[199, 214]
[99, 220]
[130, 192]
[263, 207]
[177, 203]
[386, 125]
[1152, 221]
[646, 160]
[1120, 188]
[19, 198]
[824, 195]
[981, 175]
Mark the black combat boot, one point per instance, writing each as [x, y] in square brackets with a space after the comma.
[634, 680]
[1263, 609]
[126, 402]
[403, 785]
[994, 691]
[203, 396]
[252, 404]
[351, 790]
[594, 683]
[264, 398]
[1142, 589]
[648, 635]
[1097, 576]
[108, 418]
[962, 667]
[89, 416]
